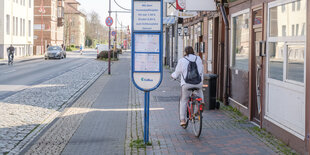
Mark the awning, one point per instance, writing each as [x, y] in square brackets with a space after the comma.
[168, 20]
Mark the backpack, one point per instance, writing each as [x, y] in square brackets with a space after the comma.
[192, 76]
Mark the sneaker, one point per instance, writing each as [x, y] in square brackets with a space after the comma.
[183, 123]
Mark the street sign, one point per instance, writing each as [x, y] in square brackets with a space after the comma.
[113, 33]
[109, 21]
[146, 50]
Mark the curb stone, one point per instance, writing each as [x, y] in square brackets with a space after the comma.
[21, 60]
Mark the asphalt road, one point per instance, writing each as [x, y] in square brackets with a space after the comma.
[22, 75]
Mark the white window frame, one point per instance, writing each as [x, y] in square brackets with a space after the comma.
[288, 40]
[286, 84]
[8, 24]
[231, 34]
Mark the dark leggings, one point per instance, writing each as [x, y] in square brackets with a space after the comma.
[10, 55]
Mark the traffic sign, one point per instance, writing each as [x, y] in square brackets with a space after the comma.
[109, 21]
[113, 33]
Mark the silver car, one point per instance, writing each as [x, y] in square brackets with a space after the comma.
[55, 52]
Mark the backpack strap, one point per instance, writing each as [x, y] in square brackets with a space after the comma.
[196, 59]
[186, 59]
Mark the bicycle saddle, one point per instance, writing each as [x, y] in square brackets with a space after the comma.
[193, 89]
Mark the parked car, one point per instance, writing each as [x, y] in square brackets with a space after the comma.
[55, 52]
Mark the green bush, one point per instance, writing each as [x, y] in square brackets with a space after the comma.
[119, 51]
[72, 46]
[68, 49]
[105, 55]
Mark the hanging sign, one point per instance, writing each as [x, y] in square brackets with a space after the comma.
[185, 14]
[200, 5]
[180, 4]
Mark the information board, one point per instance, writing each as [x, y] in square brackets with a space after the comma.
[146, 62]
[146, 55]
[147, 43]
[147, 16]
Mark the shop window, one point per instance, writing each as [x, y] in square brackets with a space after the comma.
[240, 42]
[295, 62]
[281, 21]
[276, 55]
[286, 50]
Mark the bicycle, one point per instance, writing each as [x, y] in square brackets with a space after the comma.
[194, 112]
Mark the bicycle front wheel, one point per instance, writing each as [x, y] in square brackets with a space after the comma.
[196, 120]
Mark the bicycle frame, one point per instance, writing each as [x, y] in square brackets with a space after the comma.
[193, 98]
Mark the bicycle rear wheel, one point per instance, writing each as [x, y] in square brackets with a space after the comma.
[196, 120]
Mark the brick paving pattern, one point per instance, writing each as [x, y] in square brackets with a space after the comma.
[221, 134]
[24, 111]
[58, 135]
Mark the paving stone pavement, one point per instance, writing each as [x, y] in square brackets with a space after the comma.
[221, 134]
[92, 124]
[24, 111]
[54, 140]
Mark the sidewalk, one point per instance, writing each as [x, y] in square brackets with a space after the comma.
[224, 132]
[22, 59]
[95, 123]
[108, 119]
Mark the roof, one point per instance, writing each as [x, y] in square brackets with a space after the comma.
[70, 9]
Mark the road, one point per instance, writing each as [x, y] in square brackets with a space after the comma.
[33, 93]
[26, 74]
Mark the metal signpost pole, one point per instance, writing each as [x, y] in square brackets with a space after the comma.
[109, 52]
[146, 115]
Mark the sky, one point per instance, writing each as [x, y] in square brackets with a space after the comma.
[102, 8]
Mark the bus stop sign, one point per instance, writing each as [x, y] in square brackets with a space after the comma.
[146, 50]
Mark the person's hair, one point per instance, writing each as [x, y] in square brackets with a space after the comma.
[189, 50]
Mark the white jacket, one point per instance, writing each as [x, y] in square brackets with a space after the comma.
[181, 68]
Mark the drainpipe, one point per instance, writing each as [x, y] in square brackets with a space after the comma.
[226, 51]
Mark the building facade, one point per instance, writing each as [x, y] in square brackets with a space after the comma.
[74, 24]
[266, 55]
[48, 24]
[16, 27]
[268, 49]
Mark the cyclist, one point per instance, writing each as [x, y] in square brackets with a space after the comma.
[10, 51]
[81, 49]
[182, 69]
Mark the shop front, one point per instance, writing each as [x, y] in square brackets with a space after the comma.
[267, 71]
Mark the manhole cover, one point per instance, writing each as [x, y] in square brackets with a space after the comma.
[167, 98]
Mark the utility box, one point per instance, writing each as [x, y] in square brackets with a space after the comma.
[209, 91]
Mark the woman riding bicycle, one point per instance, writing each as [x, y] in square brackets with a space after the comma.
[182, 69]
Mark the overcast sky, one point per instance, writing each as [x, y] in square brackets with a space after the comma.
[102, 8]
